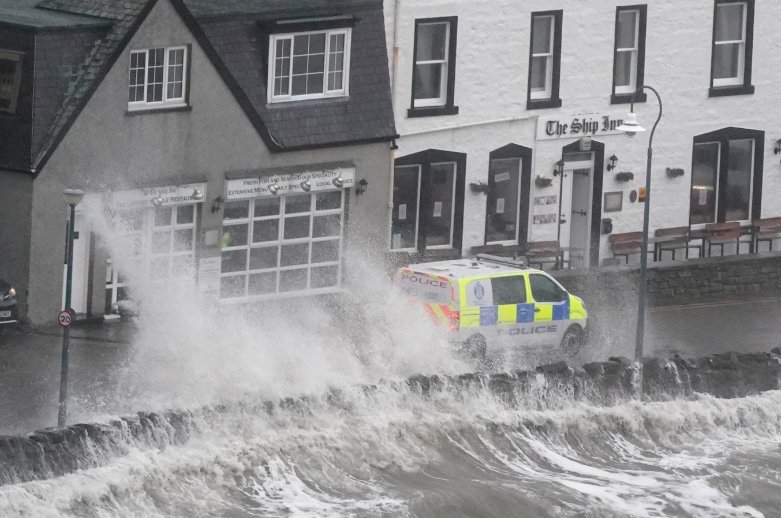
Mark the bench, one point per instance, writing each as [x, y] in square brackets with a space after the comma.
[672, 239]
[544, 252]
[721, 234]
[766, 229]
[626, 244]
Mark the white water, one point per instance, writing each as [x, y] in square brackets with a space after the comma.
[389, 451]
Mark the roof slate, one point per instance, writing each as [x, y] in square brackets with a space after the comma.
[231, 40]
[26, 14]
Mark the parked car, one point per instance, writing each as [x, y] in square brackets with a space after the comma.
[492, 303]
[9, 312]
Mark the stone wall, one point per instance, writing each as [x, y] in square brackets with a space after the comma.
[681, 281]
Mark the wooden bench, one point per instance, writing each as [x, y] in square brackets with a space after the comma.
[626, 244]
[766, 229]
[544, 252]
[721, 234]
[672, 239]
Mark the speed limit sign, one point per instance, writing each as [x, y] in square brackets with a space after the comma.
[65, 318]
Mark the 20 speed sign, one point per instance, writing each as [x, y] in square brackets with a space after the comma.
[65, 317]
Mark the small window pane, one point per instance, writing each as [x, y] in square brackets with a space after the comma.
[292, 280]
[163, 216]
[234, 235]
[161, 242]
[184, 214]
[328, 200]
[325, 226]
[627, 23]
[265, 230]
[262, 283]
[729, 22]
[542, 30]
[325, 251]
[234, 261]
[431, 42]
[298, 203]
[262, 258]
[266, 207]
[623, 68]
[296, 228]
[726, 60]
[702, 208]
[294, 254]
[539, 72]
[183, 240]
[236, 210]
[232, 286]
[428, 81]
[325, 277]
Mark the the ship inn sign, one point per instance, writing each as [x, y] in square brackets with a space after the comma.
[581, 125]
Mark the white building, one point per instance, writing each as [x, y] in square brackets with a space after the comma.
[489, 95]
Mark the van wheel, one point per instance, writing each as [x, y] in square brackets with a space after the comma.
[573, 340]
[474, 347]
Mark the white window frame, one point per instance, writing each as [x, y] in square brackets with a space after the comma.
[166, 101]
[547, 93]
[414, 247]
[518, 201]
[14, 89]
[633, 51]
[444, 75]
[741, 65]
[249, 222]
[272, 64]
[454, 170]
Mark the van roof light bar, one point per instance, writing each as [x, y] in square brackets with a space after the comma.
[516, 262]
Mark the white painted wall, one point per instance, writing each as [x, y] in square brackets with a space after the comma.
[491, 79]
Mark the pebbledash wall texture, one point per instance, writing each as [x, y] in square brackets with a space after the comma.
[490, 76]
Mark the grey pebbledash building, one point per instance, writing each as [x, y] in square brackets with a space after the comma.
[248, 139]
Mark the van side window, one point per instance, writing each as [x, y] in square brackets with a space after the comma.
[544, 289]
[509, 290]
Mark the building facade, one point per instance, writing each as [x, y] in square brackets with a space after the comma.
[508, 114]
[248, 145]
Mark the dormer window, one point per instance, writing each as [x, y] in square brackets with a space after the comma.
[158, 78]
[309, 65]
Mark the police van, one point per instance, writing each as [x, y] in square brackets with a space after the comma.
[492, 303]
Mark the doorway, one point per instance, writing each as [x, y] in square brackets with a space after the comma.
[575, 215]
[81, 270]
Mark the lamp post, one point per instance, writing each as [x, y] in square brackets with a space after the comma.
[631, 127]
[72, 198]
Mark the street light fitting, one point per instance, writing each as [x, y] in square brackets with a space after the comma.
[73, 196]
[630, 126]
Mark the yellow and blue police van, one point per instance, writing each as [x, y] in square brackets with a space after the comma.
[493, 303]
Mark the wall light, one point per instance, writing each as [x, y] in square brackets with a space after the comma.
[361, 187]
[338, 182]
[157, 201]
[197, 194]
[613, 161]
[217, 204]
[273, 188]
[306, 186]
[559, 168]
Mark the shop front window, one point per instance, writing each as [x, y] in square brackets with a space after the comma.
[285, 244]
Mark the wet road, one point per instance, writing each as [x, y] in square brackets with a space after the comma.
[30, 363]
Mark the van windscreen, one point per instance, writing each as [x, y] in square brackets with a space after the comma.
[424, 287]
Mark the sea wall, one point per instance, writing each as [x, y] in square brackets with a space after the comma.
[57, 451]
[680, 281]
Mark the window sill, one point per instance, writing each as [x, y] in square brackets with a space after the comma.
[628, 98]
[147, 109]
[432, 111]
[315, 101]
[723, 91]
[538, 104]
